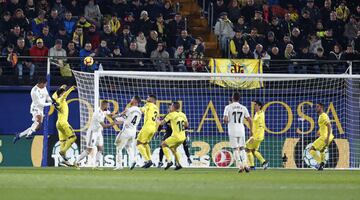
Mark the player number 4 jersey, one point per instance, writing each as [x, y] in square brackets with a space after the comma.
[236, 114]
[132, 118]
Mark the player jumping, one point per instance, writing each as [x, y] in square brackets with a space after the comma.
[65, 132]
[40, 99]
[126, 138]
[234, 115]
[167, 134]
[94, 136]
[325, 137]
[151, 112]
[253, 144]
[179, 123]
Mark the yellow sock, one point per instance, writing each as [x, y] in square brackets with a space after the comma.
[250, 159]
[177, 156]
[322, 156]
[167, 153]
[259, 157]
[148, 151]
[62, 147]
[142, 151]
[68, 143]
[314, 154]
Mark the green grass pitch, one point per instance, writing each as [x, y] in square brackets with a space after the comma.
[187, 184]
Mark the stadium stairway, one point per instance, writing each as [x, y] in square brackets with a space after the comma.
[198, 26]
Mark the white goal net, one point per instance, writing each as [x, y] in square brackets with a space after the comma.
[289, 105]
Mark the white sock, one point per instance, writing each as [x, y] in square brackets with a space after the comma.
[22, 134]
[131, 154]
[243, 157]
[98, 156]
[237, 157]
[82, 156]
[119, 156]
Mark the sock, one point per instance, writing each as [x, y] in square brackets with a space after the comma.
[161, 154]
[237, 157]
[322, 156]
[98, 156]
[167, 154]
[259, 157]
[243, 157]
[148, 151]
[314, 154]
[177, 156]
[62, 152]
[131, 154]
[186, 149]
[119, 156]
[142, 151]
[22, 134]
[82, 156]
[250, 156]
[68, 144]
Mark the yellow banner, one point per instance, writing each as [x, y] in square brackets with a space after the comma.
[237, 66]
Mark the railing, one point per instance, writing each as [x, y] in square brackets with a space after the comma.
[9, 73]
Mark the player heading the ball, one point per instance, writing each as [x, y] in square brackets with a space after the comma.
[39, 99]
[234, 115]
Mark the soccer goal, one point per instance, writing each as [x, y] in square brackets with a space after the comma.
[289, 105]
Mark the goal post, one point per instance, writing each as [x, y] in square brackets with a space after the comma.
[289, 104]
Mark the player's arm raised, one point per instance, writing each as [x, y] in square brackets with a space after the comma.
[67, 92]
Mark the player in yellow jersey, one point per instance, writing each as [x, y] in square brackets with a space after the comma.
[325, 137]
[253, 143]
[151, 112]
[65, 132]
[179, 123]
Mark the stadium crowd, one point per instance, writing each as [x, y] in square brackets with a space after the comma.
[272, 29]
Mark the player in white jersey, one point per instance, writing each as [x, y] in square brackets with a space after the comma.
[94, 135]
[234, 115]
[126, 138]
[40, 98]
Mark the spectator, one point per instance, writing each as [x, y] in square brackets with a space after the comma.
[151, 43]
[304, 67]
[47, 37]
[289, 54]
[199, 46]
[114, 23]
[153, 8]
[328, 41]
[8, 66]
[30, 9]
[109, 36]
[297, 39]
[134, 53]
[159, 26]
[236, 44]
[69, 23]
[83, 23]
[233, 10]
[43, 5]
[160, 59]
[174, 29]
[287, 25]
[276, 65]
[39, 52]
[357, 42]
[276, 28]
[14, 35]
[54, 22]
[351, 28]
[79, 37]
[270, 41]
[342, 12]
[141, 43]
[312, 10]
[75, 8]
[129, 20]
[38, 23]
[224, 30]
[258, 23]
[72, 54]
[117, 52]
[103, 50]
[336, 55]
[306, 23]
[93, 36]
[245, 52]
[59, 7]
[185, 40]
[58, 55]
[61, 34]
[294, 15]
[136, 7]
[167, 11]
[314, 42]
[5, 23]
[20, 19]
[29, 40]
[23, 63]
[248, 11]
[275, 54]
[258, 51]
[350, 54]
[219, 7]
[335, 25]
[145, 25]
[93, 13]
[86, 51]
[241, 25]
[321, 60]
[124, 39]
[180, 57]
[254, 39]
[13, 5]
[325, 11]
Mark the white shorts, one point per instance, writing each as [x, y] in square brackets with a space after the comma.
[236, 142]
[126, 138]
[94, 139]
[35, 112]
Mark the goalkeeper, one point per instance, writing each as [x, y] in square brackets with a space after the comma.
[65, 132]
[167, 134]
[253, 144]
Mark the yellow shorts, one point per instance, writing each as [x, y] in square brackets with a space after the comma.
[320, 145]
[174, 142]
[64, 130]
[253, 144]
[146, 134]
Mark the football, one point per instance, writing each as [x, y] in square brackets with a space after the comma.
[88, 61]
[309, 160]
